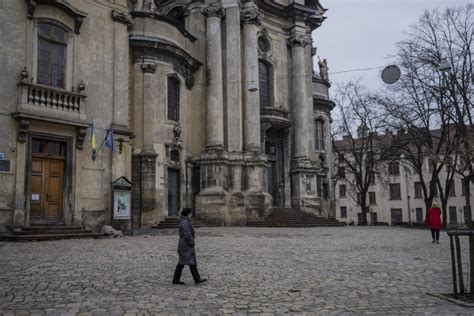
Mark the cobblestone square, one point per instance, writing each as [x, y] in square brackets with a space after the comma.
[267, 271]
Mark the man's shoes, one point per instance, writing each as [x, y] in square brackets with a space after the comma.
[433, 241]
[200, 281]
[179, 282]
[437, 241]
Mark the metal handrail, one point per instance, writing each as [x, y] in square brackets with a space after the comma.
[456, 262]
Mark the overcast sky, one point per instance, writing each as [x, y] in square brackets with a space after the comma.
[363, 34]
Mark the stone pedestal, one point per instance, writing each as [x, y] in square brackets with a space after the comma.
[143, 195]
[303, 182]
[257, 200]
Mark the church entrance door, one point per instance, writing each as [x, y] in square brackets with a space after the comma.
[173, 192]
[275, 173]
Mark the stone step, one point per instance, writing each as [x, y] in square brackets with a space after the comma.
[288, 217]
[50, 227]
[43, 237]
[52, 232]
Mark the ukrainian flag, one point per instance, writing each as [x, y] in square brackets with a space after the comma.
[93, 144]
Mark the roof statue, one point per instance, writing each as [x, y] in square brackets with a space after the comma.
[324, 69]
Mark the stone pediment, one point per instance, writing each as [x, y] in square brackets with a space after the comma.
[63, 5]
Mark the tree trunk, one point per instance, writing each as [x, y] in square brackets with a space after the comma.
[364, 211]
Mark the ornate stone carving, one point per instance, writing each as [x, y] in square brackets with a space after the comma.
[177, 141]
[250, 15]
[23, 131]
[213, 10]
[298, 40]
[149, 68]
[122, 17]
[81, 133]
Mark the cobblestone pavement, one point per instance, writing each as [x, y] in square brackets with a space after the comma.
[345, 270]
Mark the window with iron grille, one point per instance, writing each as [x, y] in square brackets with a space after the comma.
[52, 45]
[371, 178]
[372, 199]
[341, 172]
[419, 215]
[395, 193]
[343, 211]
[452, 188]
[319, 135]
[342, 190]
[173, 99]
[320, 184]
[264, 83]
[394, 168]
[453, 216]
[418, 190]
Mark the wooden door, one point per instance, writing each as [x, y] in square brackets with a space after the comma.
[46, 182]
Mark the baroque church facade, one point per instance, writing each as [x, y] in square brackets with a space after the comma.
[213, 105]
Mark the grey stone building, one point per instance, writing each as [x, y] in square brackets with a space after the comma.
[213, 105]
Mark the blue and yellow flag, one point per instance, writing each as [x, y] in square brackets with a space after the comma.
[93, 144]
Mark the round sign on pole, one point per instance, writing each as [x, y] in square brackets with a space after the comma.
[391, 74]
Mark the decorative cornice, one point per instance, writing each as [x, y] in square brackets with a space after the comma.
[122, 17]
[158, 17]
[297, 40]
[63, 5]
[149, 68]
[213, 10]
[154, 48]
[250, 16]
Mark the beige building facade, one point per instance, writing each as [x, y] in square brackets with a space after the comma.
[213, 105]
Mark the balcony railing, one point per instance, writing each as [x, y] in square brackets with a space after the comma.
[51, 98]
[278, 117]
[52, 102]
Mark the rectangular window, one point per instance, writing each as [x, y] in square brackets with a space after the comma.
[341, 172]
[396, 215]
[319, 184]
[395, 192]
[343, 212]
[52, 45]
[452, 188]
[372, 199]
[342, 190]
[394, 168]
[418, 190]
[173, 99]
[371, 178]
[431, 165]
[464, 183]
[319, 135]
[419, 215]
[453, 216]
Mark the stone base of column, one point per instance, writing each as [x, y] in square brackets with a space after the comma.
[144, 193]
[221, 207]
[257, 201]
[304, 195]
[19, 218]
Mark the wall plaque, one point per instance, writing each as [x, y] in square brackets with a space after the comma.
[4, 165]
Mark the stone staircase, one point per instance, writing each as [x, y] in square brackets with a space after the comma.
[49, 232]
[289, 217]
[172, 222]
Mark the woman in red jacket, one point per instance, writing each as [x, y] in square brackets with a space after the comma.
[433, 221]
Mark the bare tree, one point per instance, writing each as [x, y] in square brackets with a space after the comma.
[435, 93]
[356, 142]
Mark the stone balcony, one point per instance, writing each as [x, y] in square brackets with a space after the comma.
[52, 104]
[277, 117]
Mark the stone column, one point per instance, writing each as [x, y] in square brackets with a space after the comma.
[215, 98]
[299, 107]
[251, 21]
[148, 107]
[233, 79]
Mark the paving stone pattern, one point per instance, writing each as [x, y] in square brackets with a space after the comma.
[266, 271]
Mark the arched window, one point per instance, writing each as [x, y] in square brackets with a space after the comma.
[319, 134]
[52, 47]
[264, 83]
[173, 99]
